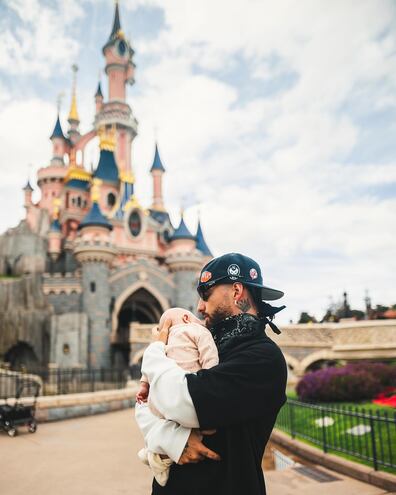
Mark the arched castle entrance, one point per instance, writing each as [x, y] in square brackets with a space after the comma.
[141, 304]
[21, 355]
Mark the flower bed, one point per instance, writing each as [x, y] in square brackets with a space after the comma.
[353, 382]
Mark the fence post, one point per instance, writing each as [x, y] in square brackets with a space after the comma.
[58, 381]
[372, 434]
[324, 431]
[291, 415]
[92, 380]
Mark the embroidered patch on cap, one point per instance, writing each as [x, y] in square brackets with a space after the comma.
[253, 273]
[205, 277]
[234, 270]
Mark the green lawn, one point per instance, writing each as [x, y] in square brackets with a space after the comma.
[300, 419]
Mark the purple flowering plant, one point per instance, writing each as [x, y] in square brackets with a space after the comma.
[353, 382]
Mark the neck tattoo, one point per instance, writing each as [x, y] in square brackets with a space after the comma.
[244, 305]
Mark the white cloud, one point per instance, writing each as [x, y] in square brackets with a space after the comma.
[41, 40]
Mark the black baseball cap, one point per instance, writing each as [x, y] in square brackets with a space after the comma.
[235, 267]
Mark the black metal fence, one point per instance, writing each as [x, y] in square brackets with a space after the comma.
[65, 380]
[367, 435]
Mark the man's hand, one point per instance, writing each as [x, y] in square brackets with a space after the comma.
[195, 451]
[161, 334]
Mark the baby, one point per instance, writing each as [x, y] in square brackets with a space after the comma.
[191, 345]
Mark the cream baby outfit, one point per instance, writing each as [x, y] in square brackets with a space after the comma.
[192, 347]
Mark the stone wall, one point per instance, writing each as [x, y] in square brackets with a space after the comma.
[65, 303]
[69, 340]
[22, 251]
[24, 316]
[186, 289]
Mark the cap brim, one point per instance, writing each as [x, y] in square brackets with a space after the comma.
[268, 294]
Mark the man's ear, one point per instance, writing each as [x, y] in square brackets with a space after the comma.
[237, 290]
[186, 318]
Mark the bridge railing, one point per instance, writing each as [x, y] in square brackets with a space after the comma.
[366, 435]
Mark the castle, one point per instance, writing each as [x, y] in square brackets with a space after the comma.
[100, 259]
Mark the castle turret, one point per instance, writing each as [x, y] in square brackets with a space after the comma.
[94, 250]
[119, 65]
[185, 262]
[59, 144]
[50, 179]
[201, 243]
[107, 170]
[120, 70]
[73, 118]
[99, 98]
[157, 170]
[28, 190]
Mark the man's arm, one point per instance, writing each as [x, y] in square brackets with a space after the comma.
[168, 386]
[160, 435]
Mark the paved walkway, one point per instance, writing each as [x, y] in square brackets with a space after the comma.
[97, 455]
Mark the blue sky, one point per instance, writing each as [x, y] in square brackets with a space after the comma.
[275, 119]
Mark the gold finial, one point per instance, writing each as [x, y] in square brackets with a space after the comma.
[73, 114]
[107, 138]
[55, 213]
[127, 177]
[132, 203]
[95, 190]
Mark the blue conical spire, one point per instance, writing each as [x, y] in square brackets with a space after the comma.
[157, 163]
[201, 243]
[99, 90]
[182, 232]
[95, 218]
[57, 132]
[28, 186]
[107, 169]
[116, 22]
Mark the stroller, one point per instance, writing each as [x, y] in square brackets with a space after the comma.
[16, 414]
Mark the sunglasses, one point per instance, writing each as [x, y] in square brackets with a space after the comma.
[205, 293]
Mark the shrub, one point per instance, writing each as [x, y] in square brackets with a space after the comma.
[352, 382]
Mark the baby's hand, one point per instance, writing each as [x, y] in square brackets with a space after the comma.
[143, 392]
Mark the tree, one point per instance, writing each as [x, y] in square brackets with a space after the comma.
[306, 318]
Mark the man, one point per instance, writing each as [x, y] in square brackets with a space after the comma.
[239, 398]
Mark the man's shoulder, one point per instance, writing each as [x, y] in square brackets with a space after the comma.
[256, 354]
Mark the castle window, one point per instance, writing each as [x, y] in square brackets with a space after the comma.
[73, 201]
[135, 223]
[79, 202]
[93, 286]
[111, 199]
[66, 349]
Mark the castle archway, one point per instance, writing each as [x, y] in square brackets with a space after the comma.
[139, 303]
[21, 355]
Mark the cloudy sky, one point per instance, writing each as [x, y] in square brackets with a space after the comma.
[275, 119]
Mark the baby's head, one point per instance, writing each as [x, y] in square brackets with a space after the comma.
[178, 316]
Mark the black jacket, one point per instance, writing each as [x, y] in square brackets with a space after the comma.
[240, 398]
